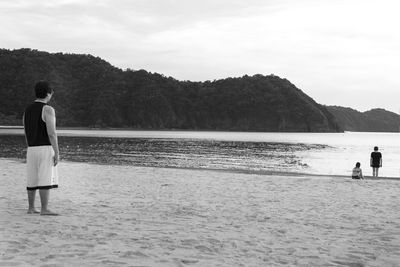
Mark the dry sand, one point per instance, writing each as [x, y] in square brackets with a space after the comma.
[138, 216]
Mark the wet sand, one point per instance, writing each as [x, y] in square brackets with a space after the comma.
[145, 216]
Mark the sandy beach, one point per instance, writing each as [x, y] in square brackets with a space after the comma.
[144, 216]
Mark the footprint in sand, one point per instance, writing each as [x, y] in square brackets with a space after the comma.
[130, 254]
[111, 234]
[349, 264]
[204, 249]
[10, 263]
[85, 245]
[112, 263]
[12, 250]
[188, 242]
[186, 261]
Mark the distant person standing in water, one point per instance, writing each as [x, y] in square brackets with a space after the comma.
[42, 154]
[376, 161]
[357, 172]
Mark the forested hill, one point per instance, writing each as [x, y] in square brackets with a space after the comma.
[374, 120]
[90, 92]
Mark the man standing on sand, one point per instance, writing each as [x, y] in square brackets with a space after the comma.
[375, 161]
[42, 154]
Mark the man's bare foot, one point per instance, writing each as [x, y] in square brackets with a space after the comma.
[33, 211]
[48, 213]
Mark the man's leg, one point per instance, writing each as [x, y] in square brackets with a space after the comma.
[31, 202]
[44, 199]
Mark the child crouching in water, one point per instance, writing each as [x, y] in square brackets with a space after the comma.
[357, 172]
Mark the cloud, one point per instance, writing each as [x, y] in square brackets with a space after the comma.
[320, 45]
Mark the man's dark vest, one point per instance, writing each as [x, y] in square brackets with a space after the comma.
[35, 127]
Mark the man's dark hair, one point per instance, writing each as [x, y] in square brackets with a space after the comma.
[358, 164]
[42, 88]
[376, 148]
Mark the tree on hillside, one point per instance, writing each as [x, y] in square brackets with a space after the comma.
[90, 92]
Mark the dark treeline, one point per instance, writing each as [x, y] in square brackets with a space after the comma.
[92, 93]
[375, 120]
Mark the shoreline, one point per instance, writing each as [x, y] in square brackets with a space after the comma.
[248, 172]
[187, 130]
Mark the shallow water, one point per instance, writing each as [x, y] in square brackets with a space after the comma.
[313, 153]
[180, 153]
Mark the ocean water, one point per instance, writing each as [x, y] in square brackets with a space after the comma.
[309, 153]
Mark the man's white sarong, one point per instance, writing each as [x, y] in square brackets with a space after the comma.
[42, 174]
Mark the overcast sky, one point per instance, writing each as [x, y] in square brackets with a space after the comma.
[339, 52]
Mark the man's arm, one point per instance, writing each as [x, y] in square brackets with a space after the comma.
[50, 119]
[23, 123]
